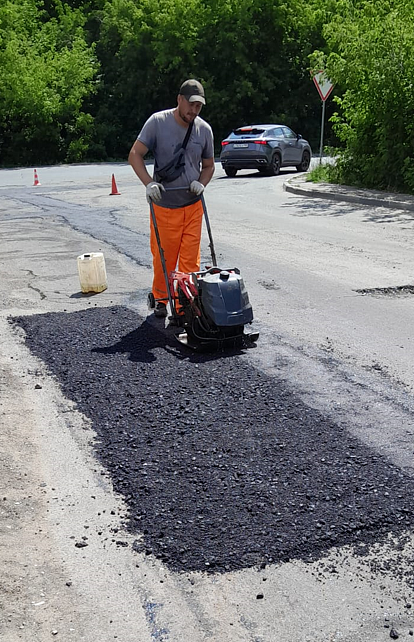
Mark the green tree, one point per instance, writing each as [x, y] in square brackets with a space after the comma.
[47, 73]
[256, 56]
[145, 49]
[81, 77]
[251, 55]
[372, 62]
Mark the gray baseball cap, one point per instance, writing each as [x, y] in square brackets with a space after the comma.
[193, 91]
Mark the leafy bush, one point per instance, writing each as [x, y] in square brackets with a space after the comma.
[47, 72]
[372, 62]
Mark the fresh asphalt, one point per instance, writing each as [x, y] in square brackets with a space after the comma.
[221, 466]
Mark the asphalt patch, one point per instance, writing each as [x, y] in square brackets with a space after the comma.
[394, 291]
[221, 466]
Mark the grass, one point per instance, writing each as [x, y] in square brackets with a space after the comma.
[320, 174]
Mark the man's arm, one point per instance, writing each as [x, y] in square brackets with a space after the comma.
[136, 160]
[207, 171]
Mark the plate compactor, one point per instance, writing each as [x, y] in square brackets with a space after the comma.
[210, 307]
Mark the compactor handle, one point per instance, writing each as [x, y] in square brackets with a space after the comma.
[215, 270]
[174, 189]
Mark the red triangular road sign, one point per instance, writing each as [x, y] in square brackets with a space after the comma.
[322, 84]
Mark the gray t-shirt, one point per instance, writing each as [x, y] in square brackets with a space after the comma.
[164, 136]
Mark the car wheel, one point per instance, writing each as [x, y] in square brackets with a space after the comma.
[304, 165]
[274, 168]
[230, 171]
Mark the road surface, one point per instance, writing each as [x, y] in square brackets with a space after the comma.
[330, 285]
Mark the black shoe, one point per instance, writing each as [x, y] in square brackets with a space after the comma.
[160, 310]
[177, 320]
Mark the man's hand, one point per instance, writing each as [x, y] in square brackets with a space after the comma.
[196, 188]
[153, 191]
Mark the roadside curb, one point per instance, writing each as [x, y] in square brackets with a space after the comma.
[299, 185]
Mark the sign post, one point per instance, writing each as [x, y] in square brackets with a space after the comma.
[324, 87]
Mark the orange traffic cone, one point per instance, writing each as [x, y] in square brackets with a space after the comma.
[36, 180]
[114, 191]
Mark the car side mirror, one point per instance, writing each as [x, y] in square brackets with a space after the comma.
[299, 136]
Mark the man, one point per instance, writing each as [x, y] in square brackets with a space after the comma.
[179, 212]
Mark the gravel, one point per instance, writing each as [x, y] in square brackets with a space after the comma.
[220, 465]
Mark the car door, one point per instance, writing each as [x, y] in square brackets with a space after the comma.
[293, 150]
[278, 140]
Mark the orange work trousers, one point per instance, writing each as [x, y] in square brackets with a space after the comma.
[180, 233]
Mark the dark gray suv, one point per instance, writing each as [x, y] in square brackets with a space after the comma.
[266, 148]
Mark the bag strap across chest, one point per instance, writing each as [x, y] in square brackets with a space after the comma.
[187, 136]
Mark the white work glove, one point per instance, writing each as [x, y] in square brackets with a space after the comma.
[153, 191]
[197, 188]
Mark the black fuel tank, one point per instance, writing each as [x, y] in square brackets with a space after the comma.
[224, 297]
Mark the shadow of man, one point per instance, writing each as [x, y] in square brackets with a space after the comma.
[143, 341]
